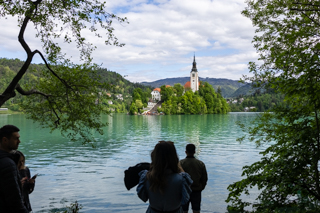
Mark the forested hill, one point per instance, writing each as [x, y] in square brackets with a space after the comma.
[8, 68]
[118, 85]
[228, 87]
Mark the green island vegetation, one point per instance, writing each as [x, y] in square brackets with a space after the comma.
[177, 101]
[140, 100]
[204, 101]
[287, 175]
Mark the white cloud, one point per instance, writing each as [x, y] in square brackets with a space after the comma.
[162, 37]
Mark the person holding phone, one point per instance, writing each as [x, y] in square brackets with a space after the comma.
[27, 182]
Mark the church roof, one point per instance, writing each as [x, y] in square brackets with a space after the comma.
[157, 89]
[187, 85]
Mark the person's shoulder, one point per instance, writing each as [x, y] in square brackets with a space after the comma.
[199, 162]
[186, 177]
[177, 177]
[6, 163]
[183, 160]
[6, 159]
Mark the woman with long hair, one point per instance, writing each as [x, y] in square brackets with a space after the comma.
[165, 185]
[26, 180]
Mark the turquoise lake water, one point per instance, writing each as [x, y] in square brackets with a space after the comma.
[94, 176]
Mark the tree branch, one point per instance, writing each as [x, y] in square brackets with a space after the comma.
[302, 11]
[49, 68]
[305, 4]
[311, 10]
[57, 122]
[30, 92]
[9, 92]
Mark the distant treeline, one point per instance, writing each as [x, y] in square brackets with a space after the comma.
[258, 101]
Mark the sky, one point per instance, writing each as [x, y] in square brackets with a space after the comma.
[162, 38]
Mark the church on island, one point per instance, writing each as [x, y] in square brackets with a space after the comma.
[193, 84]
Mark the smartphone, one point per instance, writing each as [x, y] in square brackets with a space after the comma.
[34, 176]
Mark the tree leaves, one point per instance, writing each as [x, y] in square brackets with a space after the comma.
[72, 108]
[65, 96]
[287, 175]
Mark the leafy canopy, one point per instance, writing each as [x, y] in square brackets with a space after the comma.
[67, 95]
[63, 19]
[287, 176]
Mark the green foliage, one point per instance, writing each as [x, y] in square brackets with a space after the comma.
[73, 208]
[287, 175]
[201, 102]
[262, 102]
[76, 16]
[141, 94]
[133, 109]
[178, 89]
[139, 104]
[114, 84]
[140, 98]
[74, 108]
[62, 95]
[166, 92]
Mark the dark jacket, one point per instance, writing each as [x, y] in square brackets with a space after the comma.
[11, 200]
[131, 175]
[197, 170]
[27, 187]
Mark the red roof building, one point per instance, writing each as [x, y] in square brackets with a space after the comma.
[187, 85]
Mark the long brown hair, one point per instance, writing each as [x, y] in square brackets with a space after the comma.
[21, 164]
[163, 158]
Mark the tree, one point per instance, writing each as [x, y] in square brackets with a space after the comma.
[287, 175]
[219, 91]
[133, 109]
[179, 89]
[137, 92]
[166, 92]
[68, 93]
[139, 104]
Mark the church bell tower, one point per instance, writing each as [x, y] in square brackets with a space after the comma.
[194, 78]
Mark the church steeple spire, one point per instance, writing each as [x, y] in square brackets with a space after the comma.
[194, 64]
[194, 78]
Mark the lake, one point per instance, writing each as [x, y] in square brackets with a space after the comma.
[94, 176]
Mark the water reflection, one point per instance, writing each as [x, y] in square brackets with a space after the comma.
[70, 171]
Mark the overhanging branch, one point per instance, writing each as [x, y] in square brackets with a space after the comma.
[30, 92]
[303, 13]
[49, 68]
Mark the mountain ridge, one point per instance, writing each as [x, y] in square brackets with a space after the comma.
[229, 88]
